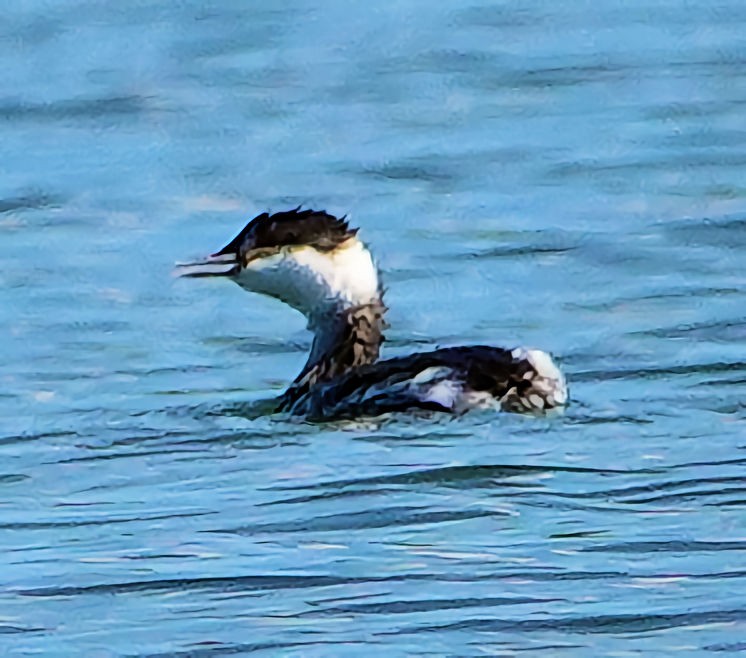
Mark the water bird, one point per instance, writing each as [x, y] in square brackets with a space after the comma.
[315, 263]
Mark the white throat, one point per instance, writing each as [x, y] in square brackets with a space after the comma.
[319, 284]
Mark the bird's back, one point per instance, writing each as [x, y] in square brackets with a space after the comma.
[453, 379]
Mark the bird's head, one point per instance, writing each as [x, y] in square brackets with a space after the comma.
[309, 259]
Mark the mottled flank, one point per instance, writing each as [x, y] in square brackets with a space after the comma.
[453, 380]
[544, 386]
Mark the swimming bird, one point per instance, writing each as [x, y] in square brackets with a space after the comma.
[315, 263]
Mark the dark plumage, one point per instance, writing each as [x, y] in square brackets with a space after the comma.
[315, 228]
[334, 282]
[353, 339]
[392, 385]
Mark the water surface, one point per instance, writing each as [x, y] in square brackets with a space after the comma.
[562, 175]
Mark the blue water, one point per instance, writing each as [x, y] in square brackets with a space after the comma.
[566, 175]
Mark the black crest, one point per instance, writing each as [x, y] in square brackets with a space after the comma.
[315, 228]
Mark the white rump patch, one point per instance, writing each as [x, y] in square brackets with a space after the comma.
[548, 388]
[543, 364]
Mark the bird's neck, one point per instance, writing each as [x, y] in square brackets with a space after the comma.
[344, 339]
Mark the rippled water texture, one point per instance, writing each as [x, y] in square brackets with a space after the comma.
[566, 175]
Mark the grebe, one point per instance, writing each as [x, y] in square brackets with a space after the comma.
[315, 263]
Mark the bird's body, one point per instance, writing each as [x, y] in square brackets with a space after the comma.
[315, 263]
[451, 379]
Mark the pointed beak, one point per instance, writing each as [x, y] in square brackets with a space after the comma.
[215, 265]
